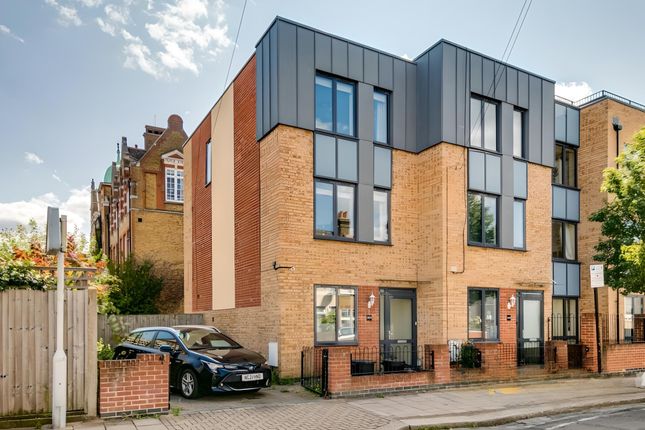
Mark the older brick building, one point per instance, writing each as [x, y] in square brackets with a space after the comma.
[340, 197]
[137, 210]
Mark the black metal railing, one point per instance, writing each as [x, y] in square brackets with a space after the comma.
[621, 328]
[464, 355]
[563, 327]
[530, 353]
[609, 95]
[314, 370]
[390, 359]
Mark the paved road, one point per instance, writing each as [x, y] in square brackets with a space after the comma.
[626, 417]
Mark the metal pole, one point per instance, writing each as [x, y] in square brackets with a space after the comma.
[59, 392]
[595, 304]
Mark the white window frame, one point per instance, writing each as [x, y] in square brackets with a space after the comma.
[172, 173]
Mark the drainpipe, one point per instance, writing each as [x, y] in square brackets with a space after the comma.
[617, 127]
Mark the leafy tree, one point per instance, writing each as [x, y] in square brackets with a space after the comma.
[623, 220]
[137, 288]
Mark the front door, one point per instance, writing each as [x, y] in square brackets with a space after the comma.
[398, 331]
[530, 340]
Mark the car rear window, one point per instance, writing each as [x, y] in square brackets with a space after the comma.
[145, 338]
[198, 338]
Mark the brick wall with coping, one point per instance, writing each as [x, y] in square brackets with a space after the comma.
[134, 387]
[623, 357]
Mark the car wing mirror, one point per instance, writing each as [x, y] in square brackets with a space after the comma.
[167, 349]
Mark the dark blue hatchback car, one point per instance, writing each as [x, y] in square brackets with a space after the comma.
[202, 359]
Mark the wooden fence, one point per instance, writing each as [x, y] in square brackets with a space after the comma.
[136, 321]
[27, 345]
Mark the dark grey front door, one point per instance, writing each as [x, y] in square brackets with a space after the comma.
[530, 338]
[398, 329]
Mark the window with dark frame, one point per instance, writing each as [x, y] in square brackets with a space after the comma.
[381, 116]
[336, 173]
[564, 170]
[483, 124]
[335, 101]
[519, 221]
[482, 219]
[483, 314]
[335, 315]
[381, 215]
[565, 318]
[519, 146]
[563, 240]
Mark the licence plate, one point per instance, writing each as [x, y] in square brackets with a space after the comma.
[252, 377]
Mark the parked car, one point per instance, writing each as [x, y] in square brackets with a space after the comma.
[202, 359]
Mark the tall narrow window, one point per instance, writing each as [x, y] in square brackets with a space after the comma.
[483, 318]
[563, 240]
[483, 124]
[564, 170]
[380, 117]
[482, 219]
[209, 164]
[382, 167]
[381, 216]
[518, 224]
[324, 209]
[335, 105]
[518, 134]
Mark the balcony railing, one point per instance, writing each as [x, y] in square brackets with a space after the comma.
[606, 94]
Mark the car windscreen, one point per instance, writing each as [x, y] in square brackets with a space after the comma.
[198, 338]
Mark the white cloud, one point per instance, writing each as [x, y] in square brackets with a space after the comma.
[106, 27]
[32, 158]
[67, 15]
[76, 207]
[573, 91]
[56, 177]
[90, 3]
[6, 30]
[117, 14]
[138, 56]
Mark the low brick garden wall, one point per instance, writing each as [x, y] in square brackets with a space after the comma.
[134, 387]
[623, 358]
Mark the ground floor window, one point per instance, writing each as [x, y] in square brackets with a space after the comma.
[565, 318]
[634, 319]
[335, 314]
[483, 314]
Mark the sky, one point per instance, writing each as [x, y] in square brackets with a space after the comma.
[76, 75]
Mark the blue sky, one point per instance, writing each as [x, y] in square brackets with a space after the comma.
[76, 75]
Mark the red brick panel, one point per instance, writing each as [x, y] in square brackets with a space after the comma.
[134, 387]
[623, 358]
[202, 221]
[247, 190]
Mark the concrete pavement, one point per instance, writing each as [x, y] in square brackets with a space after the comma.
[292, 408]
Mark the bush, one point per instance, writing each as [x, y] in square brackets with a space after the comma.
[470, 356]
[137, 289]
[22, 275]
[104, 350]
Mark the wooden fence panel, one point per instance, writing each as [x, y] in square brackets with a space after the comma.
[28, 344]
[104, 330]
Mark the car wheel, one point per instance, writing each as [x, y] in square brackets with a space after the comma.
[188, 385]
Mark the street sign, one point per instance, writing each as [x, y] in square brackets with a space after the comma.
[597, 272]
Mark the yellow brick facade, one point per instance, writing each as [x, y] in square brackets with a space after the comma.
[427, 252]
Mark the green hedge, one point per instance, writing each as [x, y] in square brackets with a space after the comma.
[21, 275]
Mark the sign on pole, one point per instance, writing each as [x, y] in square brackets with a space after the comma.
[597, 275]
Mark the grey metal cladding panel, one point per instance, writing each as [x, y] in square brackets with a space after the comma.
[323, 52]
[488, 78]
[287, 74]
[365, 111]
[259, 131]
[506, 123]
[365, 162]
[508, 180]
[398, 111]
[355, 62]
[548, 123]
[370, 67]
[573, 205]
[522, 90]
[511, 86]
[506, 222]
[421, 102]
[411, 107]
[306, 78]
[573, 280]
[475, 73]
[449, 95]
[273, 79]
[365, 226]
[559, 202]
[535, 120]
[462, 96]
[266, 86]
[500, 81]
[573, 126]
[385, 71]
[339, 57]
[433, 115]
[560, 278]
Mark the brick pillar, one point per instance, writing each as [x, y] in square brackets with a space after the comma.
[588, 340]
[339, 370]
[441, 364]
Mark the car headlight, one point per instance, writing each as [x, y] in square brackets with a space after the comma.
[212, 366]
